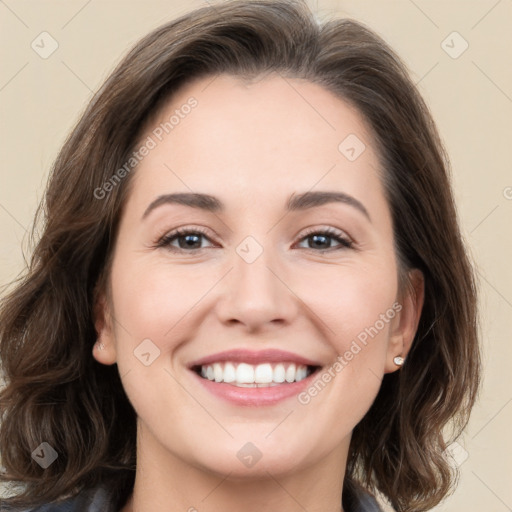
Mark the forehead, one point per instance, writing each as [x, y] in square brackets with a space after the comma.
[262, 137]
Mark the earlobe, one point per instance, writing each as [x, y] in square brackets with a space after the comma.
[104, 350]
[405, 327]
[102, 354]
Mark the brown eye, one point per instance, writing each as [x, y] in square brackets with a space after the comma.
[326, 240]
[183, 240]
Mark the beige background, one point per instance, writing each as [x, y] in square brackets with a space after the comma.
[470, 96]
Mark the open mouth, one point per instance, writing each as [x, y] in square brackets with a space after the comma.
[247, 375]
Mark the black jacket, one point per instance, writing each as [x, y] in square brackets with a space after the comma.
[99, 500]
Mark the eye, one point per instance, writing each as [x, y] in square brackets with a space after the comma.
[184, 240]
[322, 240]
[188, 240]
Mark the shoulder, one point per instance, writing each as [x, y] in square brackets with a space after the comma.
[366, 503]
[357, 499]
[97, 499]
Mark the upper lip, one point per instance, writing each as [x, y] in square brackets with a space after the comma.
[254, 357]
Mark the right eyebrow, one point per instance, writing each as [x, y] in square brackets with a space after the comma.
[201, 201]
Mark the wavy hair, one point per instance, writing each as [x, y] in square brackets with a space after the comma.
[56, 392]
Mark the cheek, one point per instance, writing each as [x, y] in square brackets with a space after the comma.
[357, 308]
[154, 305]
[351, 299]
[154, 300]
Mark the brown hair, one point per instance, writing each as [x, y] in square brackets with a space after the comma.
[56, 392]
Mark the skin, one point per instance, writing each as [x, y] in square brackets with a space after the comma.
[252, 145]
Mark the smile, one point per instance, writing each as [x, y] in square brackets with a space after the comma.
[251, 378]
[260, 375]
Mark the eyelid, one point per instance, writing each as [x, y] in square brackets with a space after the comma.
[327, 230]
[164, 240]
[344, 240]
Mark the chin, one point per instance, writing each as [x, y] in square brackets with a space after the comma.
[249, 459]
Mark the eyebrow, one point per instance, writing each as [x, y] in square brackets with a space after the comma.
[295, 203]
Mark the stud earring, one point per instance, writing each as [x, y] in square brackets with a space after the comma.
[399, 361]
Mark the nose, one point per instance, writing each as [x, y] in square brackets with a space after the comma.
[256, 295]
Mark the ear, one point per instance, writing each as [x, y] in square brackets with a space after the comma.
[104, 350]
[405, 323]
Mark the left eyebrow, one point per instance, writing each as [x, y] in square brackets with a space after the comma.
[295, 203]
[312, 199]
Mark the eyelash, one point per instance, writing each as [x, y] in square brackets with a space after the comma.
[166, 240]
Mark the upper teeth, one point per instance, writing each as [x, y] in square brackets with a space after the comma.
[247, 375]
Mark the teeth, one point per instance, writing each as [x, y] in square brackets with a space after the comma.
[218, 374]
[244, 374]
[263, 374]
[229, 373]
[248, 375]
[290, 373]
[302, 373]
[279, 373]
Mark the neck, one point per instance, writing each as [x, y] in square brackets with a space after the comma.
[165, 482]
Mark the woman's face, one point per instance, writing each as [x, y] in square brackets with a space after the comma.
[284, 257]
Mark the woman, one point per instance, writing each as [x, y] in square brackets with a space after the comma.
[250, 291]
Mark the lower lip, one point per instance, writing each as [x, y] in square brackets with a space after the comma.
[255, 396]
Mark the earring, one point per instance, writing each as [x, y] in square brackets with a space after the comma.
[99, 345]
[399, 361]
